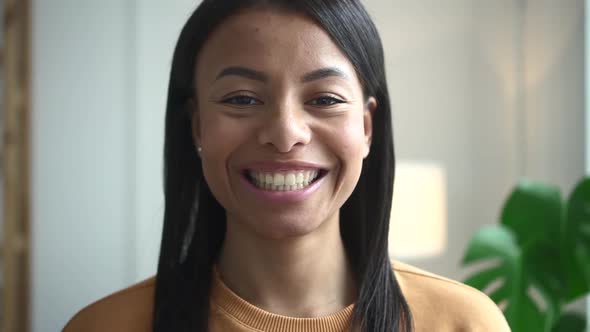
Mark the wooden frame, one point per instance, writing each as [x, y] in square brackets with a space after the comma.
[16, 166]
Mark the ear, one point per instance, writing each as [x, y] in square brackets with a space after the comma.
[370, 108]
[194, 115]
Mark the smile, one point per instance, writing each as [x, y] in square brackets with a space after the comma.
[284, 180]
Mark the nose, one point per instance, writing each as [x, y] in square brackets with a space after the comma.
[285, 128]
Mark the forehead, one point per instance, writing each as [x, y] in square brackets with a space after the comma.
[273, 41]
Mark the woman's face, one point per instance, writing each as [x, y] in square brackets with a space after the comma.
[282, 123]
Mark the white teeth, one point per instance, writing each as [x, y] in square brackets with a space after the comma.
[279, 179]
[290, 179]
[283, 181]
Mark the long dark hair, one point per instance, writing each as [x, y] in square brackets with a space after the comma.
[194, 222]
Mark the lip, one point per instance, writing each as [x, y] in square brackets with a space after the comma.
[281, 166]
[282, 196]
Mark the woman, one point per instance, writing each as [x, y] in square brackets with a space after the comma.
[278, 170]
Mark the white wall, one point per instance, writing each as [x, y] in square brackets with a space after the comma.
[492, 90]
[554, 88]
[587, 95]
[157, 26]
[100, 72]
[82, 155]
[99, 84]
[428, 56]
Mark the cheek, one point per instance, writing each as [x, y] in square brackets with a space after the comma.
[220, 138]
[351, 138]
[221, 134]
[349, 148]
[212, 128]
[347, 144]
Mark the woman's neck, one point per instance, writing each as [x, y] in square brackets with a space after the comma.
[306, 276]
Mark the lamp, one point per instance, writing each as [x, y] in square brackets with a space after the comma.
[418, 214]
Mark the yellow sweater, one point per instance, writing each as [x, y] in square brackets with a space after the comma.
[437, 304]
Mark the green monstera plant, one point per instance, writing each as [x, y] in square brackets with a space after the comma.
[538, 257]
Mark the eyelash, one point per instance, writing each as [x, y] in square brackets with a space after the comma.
[234, 100]
[331, 101]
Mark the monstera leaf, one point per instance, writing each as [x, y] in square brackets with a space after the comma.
[570, 323]
[526, 250]
[576, 242]
[499, 245]
[534, 212]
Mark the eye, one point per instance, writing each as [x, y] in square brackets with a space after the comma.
[325, 101]
[241, 100]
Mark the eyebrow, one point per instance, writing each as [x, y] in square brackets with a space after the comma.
[262, 77]
[323, 73]
[243, 72]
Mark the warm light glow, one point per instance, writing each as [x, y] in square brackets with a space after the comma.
[418, 214]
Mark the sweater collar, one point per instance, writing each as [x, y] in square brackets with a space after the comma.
[262, 320]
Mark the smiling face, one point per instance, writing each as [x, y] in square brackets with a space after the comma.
[282, 122]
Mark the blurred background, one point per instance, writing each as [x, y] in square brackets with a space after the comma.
[484, 93]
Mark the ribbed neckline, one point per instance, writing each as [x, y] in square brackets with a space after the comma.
[262, 320]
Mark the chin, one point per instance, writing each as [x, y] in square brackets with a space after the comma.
[281, 228]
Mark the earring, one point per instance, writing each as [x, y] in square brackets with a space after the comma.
[199, 150]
